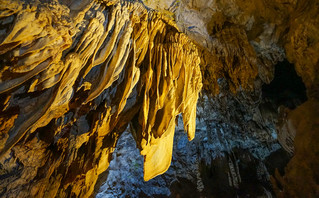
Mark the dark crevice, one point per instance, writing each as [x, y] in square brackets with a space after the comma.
[287, 88]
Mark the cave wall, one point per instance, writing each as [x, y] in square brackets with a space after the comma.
[237, 39]
[301, 174]
[75, 74]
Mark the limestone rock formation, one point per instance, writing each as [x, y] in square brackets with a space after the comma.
[277, 30]
[75, 74]
[227, 157]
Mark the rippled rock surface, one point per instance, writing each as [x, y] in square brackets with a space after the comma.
[73, 75]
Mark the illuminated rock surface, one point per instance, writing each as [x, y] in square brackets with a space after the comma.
[74, 75]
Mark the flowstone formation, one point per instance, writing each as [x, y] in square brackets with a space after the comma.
[74, 75]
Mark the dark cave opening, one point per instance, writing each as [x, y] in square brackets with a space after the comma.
[287, 88]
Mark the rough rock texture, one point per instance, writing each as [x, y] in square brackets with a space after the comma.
[304, 123]
[226, 31]
[75, 74]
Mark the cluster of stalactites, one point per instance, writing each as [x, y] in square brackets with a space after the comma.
[51, 53]
[171, 85]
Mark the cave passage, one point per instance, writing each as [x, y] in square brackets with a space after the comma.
[287, 88]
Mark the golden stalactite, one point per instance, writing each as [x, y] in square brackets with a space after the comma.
[170, 85]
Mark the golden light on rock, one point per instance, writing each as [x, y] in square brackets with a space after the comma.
[75, 74]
